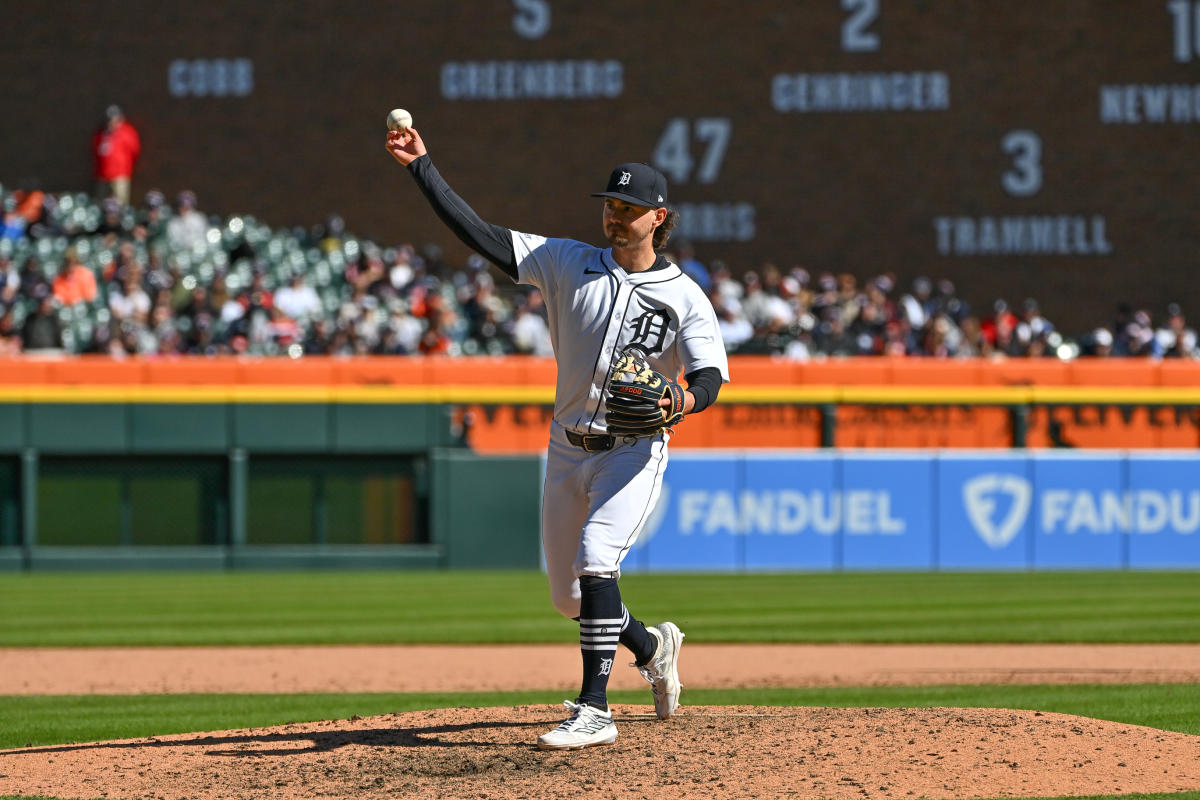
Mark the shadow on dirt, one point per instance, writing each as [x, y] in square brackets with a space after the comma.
[321, 741]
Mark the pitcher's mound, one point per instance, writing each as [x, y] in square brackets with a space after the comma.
[705, 751]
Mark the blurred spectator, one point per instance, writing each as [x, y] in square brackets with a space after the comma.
[329, 235]
[12, 224]
[1176, 339]
[919, 304]
[997, 331]
[730, 289]
[1137, 338]
[10, 281]
[736, 330]
[10, 337]
[188, 228]
[152, 220]
[530, 334]
[947, 302]
[1033, 330]
[74, 283]
[112, 224]
[127, 301]
[31, 203]
[32, 280]
[116, 147]
[1098, 343]
[692, 267]
[401, 271]
[406, 328]
[297, 300]
[42, 329]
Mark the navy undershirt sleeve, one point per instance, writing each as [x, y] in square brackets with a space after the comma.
[704, 384]
[493, 242]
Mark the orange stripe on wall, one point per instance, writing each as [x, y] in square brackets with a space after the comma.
[523, 371]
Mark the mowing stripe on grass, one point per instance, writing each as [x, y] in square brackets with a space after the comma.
[223, 608]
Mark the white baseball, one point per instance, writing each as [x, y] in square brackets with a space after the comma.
[399, 120]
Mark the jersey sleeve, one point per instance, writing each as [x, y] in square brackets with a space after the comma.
[699, 341]
[544, 262]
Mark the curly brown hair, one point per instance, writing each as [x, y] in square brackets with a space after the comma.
[663, 232]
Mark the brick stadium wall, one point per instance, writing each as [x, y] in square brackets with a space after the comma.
[837, 190]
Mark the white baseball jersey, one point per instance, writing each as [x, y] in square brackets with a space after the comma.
[596, 309]
[595, 504]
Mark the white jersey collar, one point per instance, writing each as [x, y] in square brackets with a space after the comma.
[648, 276]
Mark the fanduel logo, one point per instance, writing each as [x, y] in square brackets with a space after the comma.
[784, 512]
[980, 498]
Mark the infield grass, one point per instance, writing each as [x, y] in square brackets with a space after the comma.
[254, 608]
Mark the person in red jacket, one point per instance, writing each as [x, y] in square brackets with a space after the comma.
[116, 147]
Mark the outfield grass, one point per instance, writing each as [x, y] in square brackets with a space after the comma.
[59, 719]
[220, 608]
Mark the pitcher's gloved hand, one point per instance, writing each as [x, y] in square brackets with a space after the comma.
[633, 394]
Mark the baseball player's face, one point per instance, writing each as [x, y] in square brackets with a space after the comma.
[627, 225]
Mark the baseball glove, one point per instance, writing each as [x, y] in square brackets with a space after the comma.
[634, 389]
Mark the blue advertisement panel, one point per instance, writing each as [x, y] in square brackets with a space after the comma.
[887, 511]
[1164, 499]
[984, 511]
[1080, 515]
[937, 510]
[698, 522]
[789, 512]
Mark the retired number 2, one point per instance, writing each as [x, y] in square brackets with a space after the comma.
[855, 36]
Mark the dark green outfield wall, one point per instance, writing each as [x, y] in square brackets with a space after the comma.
[132, 428]
[308, 485]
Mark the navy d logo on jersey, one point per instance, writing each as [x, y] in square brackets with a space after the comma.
[649, 329]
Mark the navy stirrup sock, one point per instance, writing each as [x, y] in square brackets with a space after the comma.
[603, 622]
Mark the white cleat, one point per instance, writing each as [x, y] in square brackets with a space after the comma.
[662, 670]
[586, 727]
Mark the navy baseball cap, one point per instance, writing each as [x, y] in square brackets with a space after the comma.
[637, 183]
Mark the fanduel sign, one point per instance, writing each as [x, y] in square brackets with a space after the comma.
[788, 512]
[915, 511]
[1069, 511]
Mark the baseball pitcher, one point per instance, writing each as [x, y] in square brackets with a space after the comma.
[625, 323]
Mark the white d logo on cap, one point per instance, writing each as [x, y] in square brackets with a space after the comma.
[625, 176]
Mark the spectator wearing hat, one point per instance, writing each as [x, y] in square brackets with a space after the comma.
[1099, 343]
[42, 330]
[1137, 337]
[1032, 328]
[1176, 339]
[997, 332]
[919, 304]
[116, 148]
[154, 216]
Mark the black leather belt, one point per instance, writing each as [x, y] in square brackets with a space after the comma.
[591, 442]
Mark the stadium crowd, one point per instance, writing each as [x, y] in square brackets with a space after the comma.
[80, 275]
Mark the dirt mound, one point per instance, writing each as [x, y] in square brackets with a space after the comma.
[715, 752]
